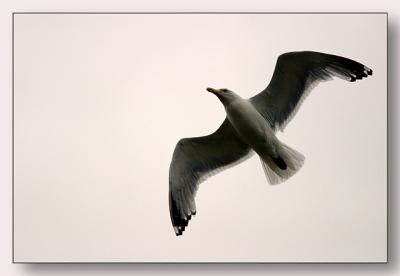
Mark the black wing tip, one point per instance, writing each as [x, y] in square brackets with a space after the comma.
[367, 71]
[179, 219]
[183, 223]
[361, 73]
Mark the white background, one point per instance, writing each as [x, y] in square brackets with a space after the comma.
[248, 6]
[101, 100]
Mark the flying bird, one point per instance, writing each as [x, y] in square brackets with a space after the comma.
[250, 126]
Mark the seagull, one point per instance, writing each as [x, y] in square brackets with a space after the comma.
[250, 126]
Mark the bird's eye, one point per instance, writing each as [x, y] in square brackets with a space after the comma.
[223, 89]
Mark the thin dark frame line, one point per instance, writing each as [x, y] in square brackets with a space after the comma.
[166, 262]
[12, 132]
[222, 12]
[387, 138]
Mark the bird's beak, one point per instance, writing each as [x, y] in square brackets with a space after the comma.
[212, 90]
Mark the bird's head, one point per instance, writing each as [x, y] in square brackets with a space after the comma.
[226, 96]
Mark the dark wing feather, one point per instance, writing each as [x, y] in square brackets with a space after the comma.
[194, 160]
[296, 73]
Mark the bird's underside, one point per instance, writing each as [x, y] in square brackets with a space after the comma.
[195, 159]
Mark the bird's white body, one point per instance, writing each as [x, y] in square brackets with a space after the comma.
[251, 126]
[279, 161]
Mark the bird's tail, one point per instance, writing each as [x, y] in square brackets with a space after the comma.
[279, 169]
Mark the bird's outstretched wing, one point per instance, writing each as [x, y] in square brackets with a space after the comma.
[194, 160]
[296, 73]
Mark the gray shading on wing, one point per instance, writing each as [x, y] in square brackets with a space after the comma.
[194, 160]
[295, 75]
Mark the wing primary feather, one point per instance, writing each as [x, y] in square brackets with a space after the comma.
[295, 75]
[194, 160]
